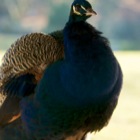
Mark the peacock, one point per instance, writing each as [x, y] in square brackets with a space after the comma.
[78, 94]
[22, 68]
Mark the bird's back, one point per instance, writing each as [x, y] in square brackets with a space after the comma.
[29, 54]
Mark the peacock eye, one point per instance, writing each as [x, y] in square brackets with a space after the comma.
[78, 7]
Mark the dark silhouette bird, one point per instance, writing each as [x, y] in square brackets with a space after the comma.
[22, 67]
[78, 94]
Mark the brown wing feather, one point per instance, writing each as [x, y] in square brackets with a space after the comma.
[9, 110]
[30, 54]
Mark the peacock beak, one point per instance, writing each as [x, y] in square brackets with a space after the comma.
[90, 12]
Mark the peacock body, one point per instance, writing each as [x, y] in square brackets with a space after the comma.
[78, 94]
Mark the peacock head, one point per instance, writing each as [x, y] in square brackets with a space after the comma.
[81, 10]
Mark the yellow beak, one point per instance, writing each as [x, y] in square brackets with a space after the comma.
[90, 12]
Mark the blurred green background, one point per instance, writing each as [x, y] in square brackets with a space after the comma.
[118, 20]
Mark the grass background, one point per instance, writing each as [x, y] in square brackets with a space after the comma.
[125, 122]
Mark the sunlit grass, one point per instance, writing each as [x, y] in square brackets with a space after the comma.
[125, 122]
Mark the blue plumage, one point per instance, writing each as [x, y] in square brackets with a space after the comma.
[76, 95]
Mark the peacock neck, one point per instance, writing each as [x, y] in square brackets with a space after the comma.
[79, 50]
[75, 18]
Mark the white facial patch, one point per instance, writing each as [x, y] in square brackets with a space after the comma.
[83, 8]
[76, 12]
